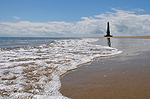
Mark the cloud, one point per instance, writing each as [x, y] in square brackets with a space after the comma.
[16, 17]
[138, 9]
[122, 23]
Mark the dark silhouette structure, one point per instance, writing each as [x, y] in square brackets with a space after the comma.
[108, 31]
[108, 42]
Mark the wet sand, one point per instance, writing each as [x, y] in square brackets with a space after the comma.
[125, 76]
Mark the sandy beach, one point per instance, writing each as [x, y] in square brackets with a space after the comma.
[139, 37]
[124, 76]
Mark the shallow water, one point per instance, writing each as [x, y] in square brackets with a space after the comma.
[129, 47]
[34, 71]
[11, 42]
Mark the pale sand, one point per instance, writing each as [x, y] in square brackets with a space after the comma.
[126, 76]
[139, 37]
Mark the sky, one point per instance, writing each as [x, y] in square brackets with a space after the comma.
[73, 18]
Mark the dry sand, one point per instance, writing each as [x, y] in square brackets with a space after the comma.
[125, 76]
[139, 37]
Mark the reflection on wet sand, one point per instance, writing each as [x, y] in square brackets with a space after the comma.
[113, 78]
[109, 42]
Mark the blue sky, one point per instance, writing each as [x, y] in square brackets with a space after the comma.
[68, 15]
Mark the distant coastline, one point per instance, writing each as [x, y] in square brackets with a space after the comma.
[132, 37]
[148, 37]
[145, 37]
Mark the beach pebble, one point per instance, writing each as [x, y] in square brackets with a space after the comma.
[105, 75]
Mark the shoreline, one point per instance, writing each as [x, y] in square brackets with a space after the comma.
[124, 76]
[139, 37]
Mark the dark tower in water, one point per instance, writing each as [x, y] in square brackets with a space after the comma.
[108, 31]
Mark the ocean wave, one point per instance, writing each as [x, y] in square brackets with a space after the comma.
[34, 72]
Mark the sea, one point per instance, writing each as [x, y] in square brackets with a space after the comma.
[31, 67]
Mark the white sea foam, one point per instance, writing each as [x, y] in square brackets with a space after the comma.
[34, 72]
